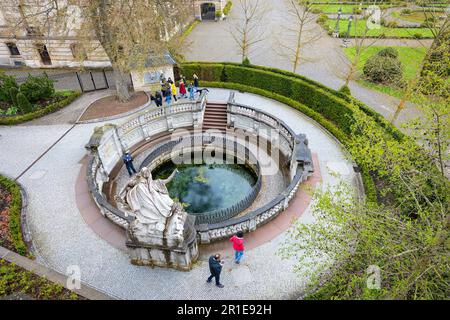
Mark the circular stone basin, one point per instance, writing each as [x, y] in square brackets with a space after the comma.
[207, 187]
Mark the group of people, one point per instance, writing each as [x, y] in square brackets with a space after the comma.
[170, 91]
[216, 263]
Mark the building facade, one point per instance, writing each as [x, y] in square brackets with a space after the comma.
[26, 48]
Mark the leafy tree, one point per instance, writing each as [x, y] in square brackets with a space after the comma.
[36, 88]
[405, 238]
[383, 69]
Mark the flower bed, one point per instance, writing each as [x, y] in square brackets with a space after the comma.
[10, 212]
[16, 281]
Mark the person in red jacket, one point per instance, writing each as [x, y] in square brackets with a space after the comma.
[238, 246]
[182, 89]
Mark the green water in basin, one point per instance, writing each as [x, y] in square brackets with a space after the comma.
[207, 187]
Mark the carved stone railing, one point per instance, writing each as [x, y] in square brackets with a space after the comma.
[111, 144]
[108, 143]
[261, 124]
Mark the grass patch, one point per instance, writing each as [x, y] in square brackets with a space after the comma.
[346, 8]
[358, 29]
[416, 16]
[333, 8]
[410, 57]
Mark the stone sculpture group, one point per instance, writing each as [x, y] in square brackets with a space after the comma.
[161, 231]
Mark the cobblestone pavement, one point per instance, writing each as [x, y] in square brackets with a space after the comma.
[325, 61]
[62, 238]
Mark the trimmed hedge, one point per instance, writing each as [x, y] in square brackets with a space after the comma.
[69, 98]
[15, 210]
[330, 108]
[334, 105]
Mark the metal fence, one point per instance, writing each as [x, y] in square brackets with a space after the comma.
[84, 81]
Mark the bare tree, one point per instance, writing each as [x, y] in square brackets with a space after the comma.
[246, 29]
[129, 31]
[299, 33]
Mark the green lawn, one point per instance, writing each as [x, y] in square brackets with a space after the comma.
[359, 28]
[411, 59]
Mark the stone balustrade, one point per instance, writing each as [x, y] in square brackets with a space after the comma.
[108, 143]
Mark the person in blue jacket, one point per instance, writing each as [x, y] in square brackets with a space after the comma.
[215, 267]
[128, 160]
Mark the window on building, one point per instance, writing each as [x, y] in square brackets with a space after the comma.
[13, 49]
[43, 52]
[78, 51]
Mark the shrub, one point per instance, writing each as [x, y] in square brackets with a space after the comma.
[13, 91]
[383, 69]
[388, 52]
[357, 10]
[246, 62]
[405, 11]
[6, 83]
[218, 13]
[37, 88]
[345, 90]
[417, 35]
[23, 104]
[316, 10]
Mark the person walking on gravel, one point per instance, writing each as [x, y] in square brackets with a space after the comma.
[215, 267]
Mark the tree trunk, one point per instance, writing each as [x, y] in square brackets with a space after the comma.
[121, 80]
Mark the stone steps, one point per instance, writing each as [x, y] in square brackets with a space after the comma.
[215, 116]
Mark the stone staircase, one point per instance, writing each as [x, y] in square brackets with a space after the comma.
[215, 116]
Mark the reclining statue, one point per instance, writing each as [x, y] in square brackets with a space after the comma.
[149, 202]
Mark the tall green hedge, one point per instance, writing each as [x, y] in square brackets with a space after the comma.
[333, 105]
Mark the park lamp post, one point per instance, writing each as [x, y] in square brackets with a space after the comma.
[336, 28]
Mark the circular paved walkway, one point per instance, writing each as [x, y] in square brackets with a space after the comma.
[62, 237]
